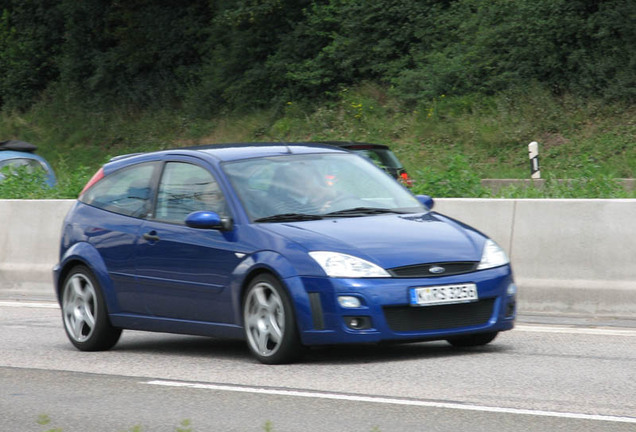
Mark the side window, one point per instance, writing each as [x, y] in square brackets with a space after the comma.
[186, 188]
[126, 192]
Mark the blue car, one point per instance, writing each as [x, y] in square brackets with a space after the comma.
[284, 245]
[17, 154]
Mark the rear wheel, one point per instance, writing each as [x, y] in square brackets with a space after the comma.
[472, 340]
[84, 312]
[269, 323]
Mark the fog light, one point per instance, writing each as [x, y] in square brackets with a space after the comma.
[512, 289]
[349, 302]
[358, 322]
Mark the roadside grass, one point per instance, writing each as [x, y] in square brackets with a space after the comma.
[447, 144]
[185, 426]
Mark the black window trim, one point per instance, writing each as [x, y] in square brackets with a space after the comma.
[188, 159]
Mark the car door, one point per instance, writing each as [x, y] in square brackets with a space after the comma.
[184, 272]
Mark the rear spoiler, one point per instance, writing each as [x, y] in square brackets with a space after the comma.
[16, 145]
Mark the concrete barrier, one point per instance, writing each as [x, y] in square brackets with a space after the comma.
[29, 245]
[569, 256]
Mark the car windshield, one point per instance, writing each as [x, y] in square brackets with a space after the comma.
[308, 187]
[13, 166]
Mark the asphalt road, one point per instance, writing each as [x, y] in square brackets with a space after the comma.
[546, 375]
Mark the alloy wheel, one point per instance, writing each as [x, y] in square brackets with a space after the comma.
[264, 319]
[79, 307]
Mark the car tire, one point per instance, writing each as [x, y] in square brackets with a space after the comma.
[472, 340]
[269, 322]
[84, 312]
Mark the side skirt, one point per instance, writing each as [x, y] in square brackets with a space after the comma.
[171, 325]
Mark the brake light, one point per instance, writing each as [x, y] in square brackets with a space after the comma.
[406, 180]
[97, 177]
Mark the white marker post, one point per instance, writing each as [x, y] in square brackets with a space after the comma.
[533, 149]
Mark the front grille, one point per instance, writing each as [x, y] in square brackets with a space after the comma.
[423, 270]
[409, 318]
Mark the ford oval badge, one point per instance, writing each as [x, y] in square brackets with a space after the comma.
[437, 270]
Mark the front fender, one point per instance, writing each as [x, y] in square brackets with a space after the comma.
[270, 262]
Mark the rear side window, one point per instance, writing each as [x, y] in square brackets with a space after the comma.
[186, 188]
[127, 191]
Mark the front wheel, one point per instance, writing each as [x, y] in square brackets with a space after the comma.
[472, 340]
[268, 320]
[84, 312]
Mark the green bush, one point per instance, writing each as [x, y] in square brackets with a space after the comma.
[458, 179]
[450, 141]
[219, 56]
[22, 183]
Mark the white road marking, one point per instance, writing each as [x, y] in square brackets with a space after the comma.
[600, 331]
[389, 400]
[29, 304]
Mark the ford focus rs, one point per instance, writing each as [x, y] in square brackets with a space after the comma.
[283, 245]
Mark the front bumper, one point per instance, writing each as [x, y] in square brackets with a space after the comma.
[384, 313]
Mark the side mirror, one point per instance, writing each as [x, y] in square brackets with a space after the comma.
[208, 220]
[426, 201]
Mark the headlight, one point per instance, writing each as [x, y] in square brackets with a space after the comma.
[492, 256]
[342, 265]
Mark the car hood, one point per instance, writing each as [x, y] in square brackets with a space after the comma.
[388, 240]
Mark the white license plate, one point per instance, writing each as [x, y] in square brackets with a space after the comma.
[443, 294]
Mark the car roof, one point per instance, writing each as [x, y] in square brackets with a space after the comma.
[16, 145]
[14, 149]
[237, 151]
[226, 152]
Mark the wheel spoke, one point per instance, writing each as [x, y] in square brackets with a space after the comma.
[275, 330]
[89, 319]
[68, 307]
[78, 325]
[78, 290]
[262, 337]
[274, 304]
[260, 297]
[252, 321]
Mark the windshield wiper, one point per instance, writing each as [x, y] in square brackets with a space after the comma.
[289, 217]
[363, 211]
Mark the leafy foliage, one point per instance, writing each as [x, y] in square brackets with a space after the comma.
[22, 183]
[142, 53]
[220, 55]
[481, 78]
[30, 37]
[458, 179]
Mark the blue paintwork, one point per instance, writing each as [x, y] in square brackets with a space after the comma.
[51, 181]
[192, 279]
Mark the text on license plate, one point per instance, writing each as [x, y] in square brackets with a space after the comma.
[443, 294]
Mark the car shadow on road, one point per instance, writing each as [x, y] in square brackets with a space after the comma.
[181, 345]
[236, 350]
[355, 354]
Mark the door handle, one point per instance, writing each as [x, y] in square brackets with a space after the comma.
[151, 236]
